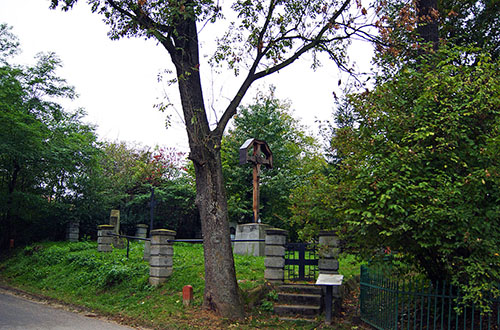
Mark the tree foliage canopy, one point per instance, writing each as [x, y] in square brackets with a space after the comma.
[420, 168]
[46, 152]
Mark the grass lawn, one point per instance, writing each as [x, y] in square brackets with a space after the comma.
[112, 285]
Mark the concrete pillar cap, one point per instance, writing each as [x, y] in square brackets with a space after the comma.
[276, 231]
[105, 227]
[141, 225]
[163, 232]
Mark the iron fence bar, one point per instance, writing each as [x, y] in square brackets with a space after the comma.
[429, 290]
[422, 283]
[465, 317]
[397, 307]
[472, 317]
[489, 316]
[200, 240]
[443, 289]
[131, 237]
[194, 240]
[415, 310]
[387, 302]
[436, 289]
[408, 308]
[449, 305]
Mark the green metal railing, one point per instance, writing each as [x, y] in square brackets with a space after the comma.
[417, 304]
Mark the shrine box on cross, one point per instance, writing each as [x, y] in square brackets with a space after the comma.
[265, 156]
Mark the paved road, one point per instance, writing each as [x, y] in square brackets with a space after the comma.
[18, 313]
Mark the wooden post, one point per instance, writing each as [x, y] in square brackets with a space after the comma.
[261, 155]
[256, 192]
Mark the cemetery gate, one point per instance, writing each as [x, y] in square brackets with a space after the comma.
[301, 262]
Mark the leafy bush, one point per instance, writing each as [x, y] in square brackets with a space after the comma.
[418, 167]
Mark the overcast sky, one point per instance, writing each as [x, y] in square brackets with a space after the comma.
[117, 80]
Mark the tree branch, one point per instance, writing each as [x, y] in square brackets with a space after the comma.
[252, 76]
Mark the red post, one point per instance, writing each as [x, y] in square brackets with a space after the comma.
[187, 295]
[11, 243]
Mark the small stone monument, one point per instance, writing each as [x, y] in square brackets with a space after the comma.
[73, 230]
[258, 153]
[114, 220]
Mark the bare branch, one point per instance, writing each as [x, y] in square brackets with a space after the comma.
[253, 76]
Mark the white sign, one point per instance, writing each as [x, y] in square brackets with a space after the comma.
[329, 279]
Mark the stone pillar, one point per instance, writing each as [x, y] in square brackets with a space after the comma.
[73, 231]
[162, 253]
[328, 250]
[141, 230]
[114, 220]
[104, 239]
[275, 255]
[147, 251]
[250, 231]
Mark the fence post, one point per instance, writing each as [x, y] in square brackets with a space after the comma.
[161, 258]
[328, 250]
[104, 239]
[141, 230]
[73, 230]
[275, 255]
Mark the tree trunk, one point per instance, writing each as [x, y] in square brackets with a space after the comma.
[427, 21]
[221, 289]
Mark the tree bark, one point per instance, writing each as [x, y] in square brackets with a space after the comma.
[221, 289]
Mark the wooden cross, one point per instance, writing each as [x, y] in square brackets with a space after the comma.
[261, 155]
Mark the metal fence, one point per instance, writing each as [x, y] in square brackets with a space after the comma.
[417, 304]
[301, 262]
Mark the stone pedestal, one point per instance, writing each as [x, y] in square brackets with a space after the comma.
[141, 230]
[250, 231]
[275, 255]
[328, 250]
[147, 251]
[104, 239]
[162, 253]
[114, 220]
[73, 231]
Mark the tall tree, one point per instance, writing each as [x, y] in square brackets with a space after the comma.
[418, 155]
[46, 152]
[407, 25]
[421, 171]
[268, 36]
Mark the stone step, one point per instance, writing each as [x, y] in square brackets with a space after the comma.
[292, 298]
[298, 319]
[301, 288]
[294, 310]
